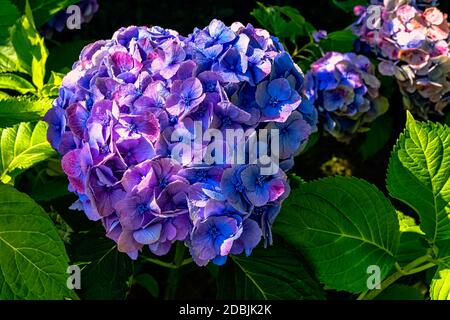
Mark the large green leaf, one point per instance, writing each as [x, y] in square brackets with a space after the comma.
[33, 261]
[22, 109]
[419, 175]
[29, 47]
[440, 285]
[9, 62]
[343, 225]
[275, 273]
[14, 82]
[104, 269]
[8, 16]
[21, 147]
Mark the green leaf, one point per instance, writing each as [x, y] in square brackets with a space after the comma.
[233, 284]
[339, 41]
[4, 95]
[343, 225]
[9, 61]
[105, 270]
[419, 175]
[400, 292]
[275, 273]
[33, 261]
[148, 282]
[14, 82]
[408, 224]
[21, 147]
[440, 285]
[283, 22]
[30, 49]
[8, 16]
[51, 88]
[377, 137]
[348, 5]
[14, 110]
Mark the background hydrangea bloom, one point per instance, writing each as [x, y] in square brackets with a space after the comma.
[345, 91]
[125, 97]
[411, 39]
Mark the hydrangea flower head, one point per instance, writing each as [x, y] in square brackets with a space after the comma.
[410, 38]
[345, 91]
[117, 124]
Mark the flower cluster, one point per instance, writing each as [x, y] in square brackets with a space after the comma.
[410, 42]
[345, 91]
[87, 8]
[126, 98]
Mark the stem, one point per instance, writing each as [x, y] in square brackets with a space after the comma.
[160, 263]
[172, 280]
[422, 268]
[416, 266]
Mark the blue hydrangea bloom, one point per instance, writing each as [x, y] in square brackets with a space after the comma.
[345, 92]
[124, 99]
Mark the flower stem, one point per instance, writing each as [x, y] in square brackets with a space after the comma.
[160, 263]
[416, 266]
[172, 280]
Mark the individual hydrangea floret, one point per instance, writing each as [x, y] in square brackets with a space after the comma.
[125, 100]
[410, 39]
[345, 91]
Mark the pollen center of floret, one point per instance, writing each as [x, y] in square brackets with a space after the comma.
[273, 101]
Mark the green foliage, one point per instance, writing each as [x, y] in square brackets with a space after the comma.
[33, 261]
[21, 147]
[14, 82]
[105, 270]
[22, 109]
[284, 22]
[273, 273]
[43, 10]
[440, 285]
[8, 16]
[148, 282]
[343, 225]
[412, 242]
[348, 5]
[419, 175]
[377, 137]
[339, 41]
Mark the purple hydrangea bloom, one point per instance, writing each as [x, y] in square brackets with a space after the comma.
[126, 99]
[410, 39]
[345, 91]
